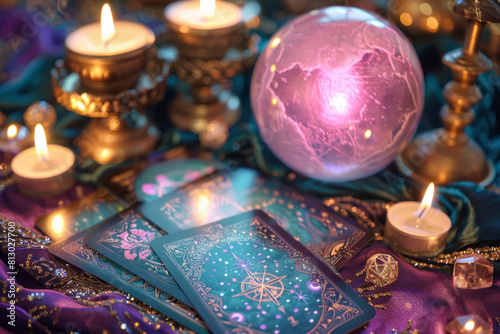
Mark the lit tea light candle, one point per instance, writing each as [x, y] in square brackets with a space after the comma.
[44, 170]
[417, 229]
[109, 56]
[108, 38]
[13, 138]
[204, 29]
[204, 14]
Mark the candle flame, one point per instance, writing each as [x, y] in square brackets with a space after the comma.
[426, 204]
[11, 131]
[207, 7]
[41, 144]
[107, 25]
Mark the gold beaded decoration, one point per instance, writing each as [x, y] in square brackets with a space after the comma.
[407, 330]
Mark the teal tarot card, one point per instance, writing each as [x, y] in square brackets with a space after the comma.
[224, 194]
[125, 239]
[75, 251]
[245, 274]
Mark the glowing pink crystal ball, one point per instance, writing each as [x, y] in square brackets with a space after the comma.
[337, 93]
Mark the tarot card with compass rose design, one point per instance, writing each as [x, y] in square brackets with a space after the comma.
[75, 251]
[247, 274]
[125, 238]
[224, 194]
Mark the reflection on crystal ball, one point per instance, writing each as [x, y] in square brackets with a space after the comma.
[337, 93]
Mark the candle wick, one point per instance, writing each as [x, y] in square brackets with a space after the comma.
[43, 156]
[422, 212]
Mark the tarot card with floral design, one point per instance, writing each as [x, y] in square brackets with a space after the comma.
[80, 215]
[224, 194]
[75, 251]
[246, 274]
[125, 239]
[127, 185]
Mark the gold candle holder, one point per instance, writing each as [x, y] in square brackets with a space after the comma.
[448, 155]
[108, 56]
[203, 65]
[118, 131]
[108, 74]
[206, 44]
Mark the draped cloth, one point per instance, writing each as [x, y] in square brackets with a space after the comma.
[47, 301]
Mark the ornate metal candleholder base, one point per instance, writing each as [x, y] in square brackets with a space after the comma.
[118, 131]
[208, 60]
[448, 155]
[207, 100]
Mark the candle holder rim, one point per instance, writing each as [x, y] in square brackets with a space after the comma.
[416, 203]
[134, 52]
[158, 74]
[419, 255]
[204, 32]
[422, 237]
[108, 58]
[200, 31]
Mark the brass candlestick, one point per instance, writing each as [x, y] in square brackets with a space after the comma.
[204, 64]
[118, 130]
[448, 154]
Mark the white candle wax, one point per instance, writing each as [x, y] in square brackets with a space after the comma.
[402, 216]
[413, 236]
[40, 178]
[188, 13]
[130, 36]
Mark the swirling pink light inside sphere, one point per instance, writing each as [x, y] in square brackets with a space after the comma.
[338, 93]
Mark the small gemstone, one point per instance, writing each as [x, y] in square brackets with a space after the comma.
[472, 271]
[471, 323]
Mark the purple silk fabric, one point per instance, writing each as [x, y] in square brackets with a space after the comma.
[13, 204]
[70, 315]
[28, 35]
[427, 297]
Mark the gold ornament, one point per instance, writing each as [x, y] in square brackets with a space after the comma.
[424, 17]
[40, 112]
[381, 270]
[215, 135]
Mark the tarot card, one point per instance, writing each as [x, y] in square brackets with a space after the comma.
[246, 274]
[121, 182]
[75, 251]
[164, 177]
[125, 239]
[80, 215]
[223, 194]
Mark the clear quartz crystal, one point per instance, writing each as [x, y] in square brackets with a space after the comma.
[472, 271]
[471, 323]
